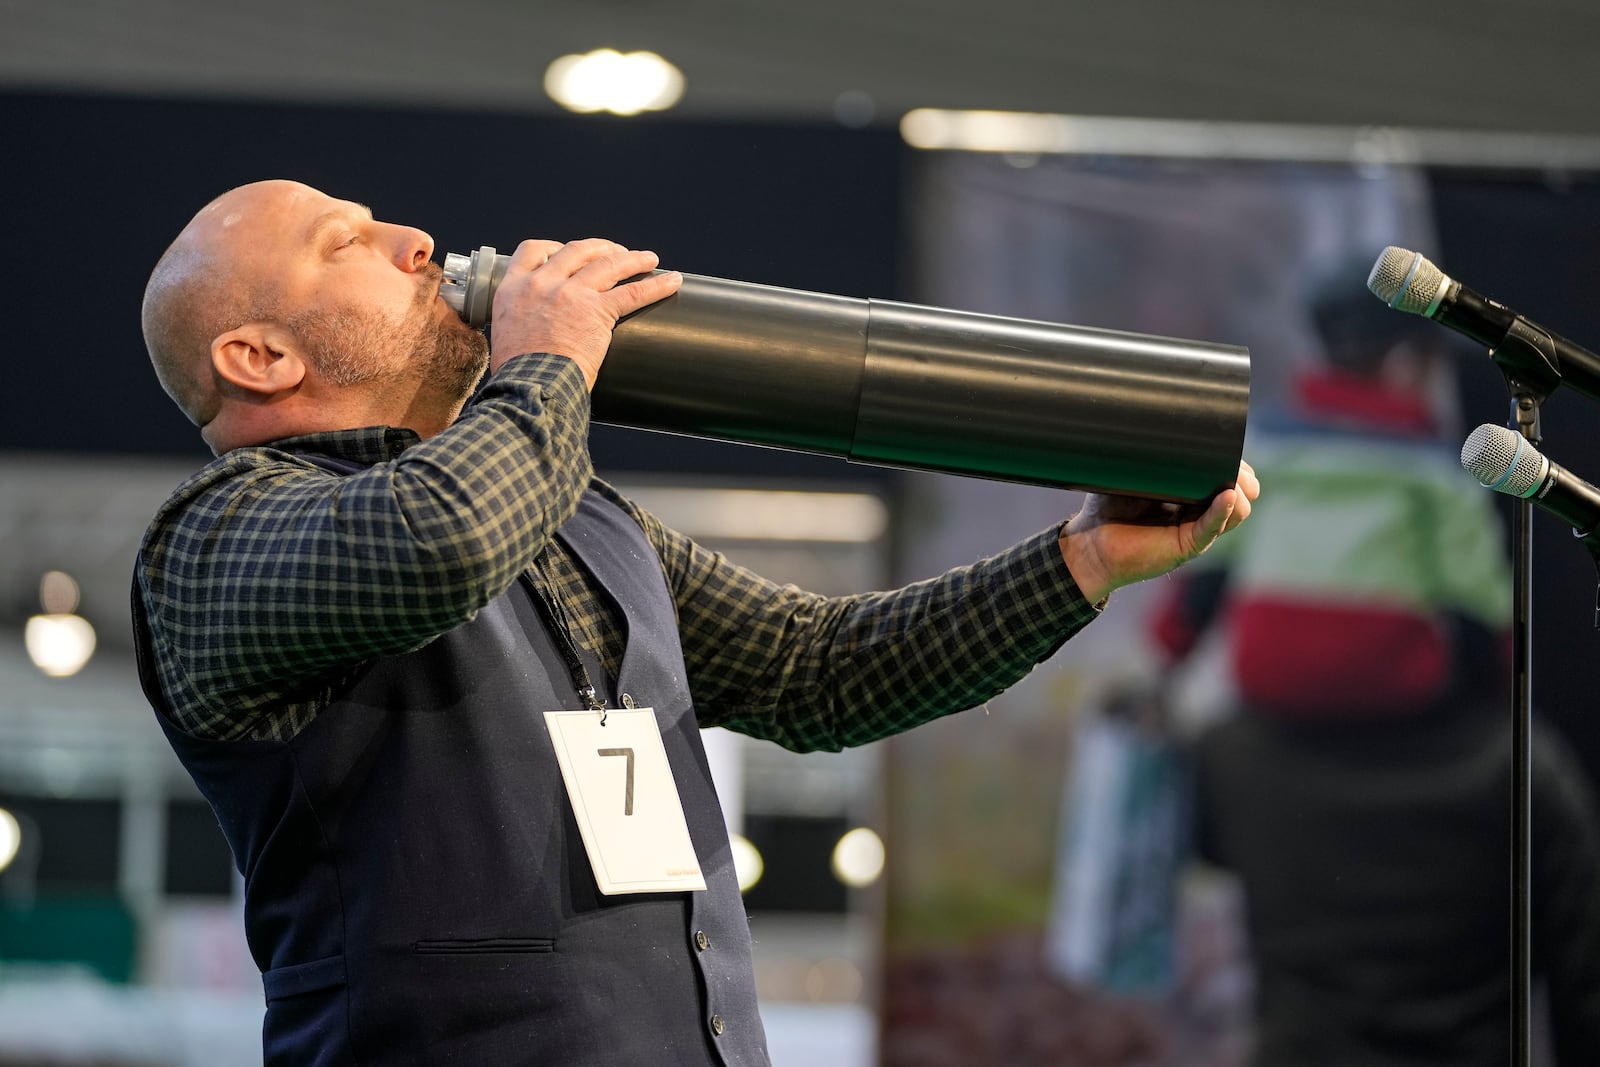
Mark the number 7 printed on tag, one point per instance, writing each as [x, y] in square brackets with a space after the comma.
[625, 800]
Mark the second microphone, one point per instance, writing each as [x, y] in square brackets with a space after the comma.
[1503, 460]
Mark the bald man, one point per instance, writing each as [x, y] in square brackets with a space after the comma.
[443, 687]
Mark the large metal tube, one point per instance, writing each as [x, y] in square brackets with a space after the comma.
[924, 388]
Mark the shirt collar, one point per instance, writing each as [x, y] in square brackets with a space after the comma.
[367, 445]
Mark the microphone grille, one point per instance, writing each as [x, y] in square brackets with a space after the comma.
[1503, 460]
[1406, 281]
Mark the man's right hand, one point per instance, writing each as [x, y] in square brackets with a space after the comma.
[566, 299]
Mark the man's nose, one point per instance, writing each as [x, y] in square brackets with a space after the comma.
[412, 248]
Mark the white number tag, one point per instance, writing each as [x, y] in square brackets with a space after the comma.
[626, 801]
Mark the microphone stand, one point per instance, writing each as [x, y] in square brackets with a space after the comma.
[1524, 419]
[1528, 361]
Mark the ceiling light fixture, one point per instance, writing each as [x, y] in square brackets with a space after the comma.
[858, 858]
[10, 838]
[748, 866]
[59, 642]
[608, 80]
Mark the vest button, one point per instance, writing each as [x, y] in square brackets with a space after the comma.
[717, 1025]
[701, 941]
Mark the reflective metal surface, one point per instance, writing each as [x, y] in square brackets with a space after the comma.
[917, 387]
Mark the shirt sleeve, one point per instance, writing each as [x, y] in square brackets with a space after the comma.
[266, 571]
[823, 673]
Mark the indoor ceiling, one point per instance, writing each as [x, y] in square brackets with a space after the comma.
[1472, 64]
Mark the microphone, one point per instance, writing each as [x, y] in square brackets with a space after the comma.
[1503, 460]
[924, 388]
[1408, 282]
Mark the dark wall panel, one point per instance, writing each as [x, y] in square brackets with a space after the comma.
[95, 188]
[1531, 241]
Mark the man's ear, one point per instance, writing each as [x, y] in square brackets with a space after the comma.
[259, 357]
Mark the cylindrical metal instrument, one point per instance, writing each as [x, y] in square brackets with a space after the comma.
[924, 388]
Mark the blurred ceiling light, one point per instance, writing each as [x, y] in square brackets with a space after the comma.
[58, 641]
[1022, 135]
[768, 515]
[10, 838]
[986, 131]
[834, 980]
[608, 80]
[858, 858]
[58, 593]
[59, 644]
[748, 865]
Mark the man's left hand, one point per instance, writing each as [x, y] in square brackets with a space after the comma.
[1114, 541]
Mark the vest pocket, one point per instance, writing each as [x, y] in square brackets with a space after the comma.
[300, 978]
[484, 946]
[306, 1022]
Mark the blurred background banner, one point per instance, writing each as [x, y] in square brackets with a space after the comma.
[1002, 879]
[1218, 249]
[1048, 901]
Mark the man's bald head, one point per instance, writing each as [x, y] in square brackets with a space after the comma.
[210, 280]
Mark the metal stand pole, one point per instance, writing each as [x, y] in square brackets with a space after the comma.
[1525, 420]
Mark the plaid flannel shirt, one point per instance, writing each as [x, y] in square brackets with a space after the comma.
[268, 580]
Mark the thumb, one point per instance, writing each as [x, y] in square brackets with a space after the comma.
[1211, 525]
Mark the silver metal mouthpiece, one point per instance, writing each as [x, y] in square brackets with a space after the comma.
[469, 283]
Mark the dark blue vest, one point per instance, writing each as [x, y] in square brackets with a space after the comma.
[416, 890]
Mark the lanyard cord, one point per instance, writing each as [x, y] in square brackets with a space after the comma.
[556, 617]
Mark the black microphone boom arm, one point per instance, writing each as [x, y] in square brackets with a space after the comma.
[1534, 360]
